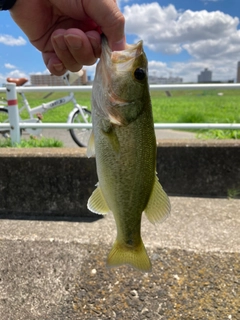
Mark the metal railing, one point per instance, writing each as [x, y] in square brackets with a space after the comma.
[11, 91]
[161, 87]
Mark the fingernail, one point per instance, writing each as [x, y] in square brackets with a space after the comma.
[94, 41]
[59, 42]
[96, 45]
[73, 41]
[58, 67]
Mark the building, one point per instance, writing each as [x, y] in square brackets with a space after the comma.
[205, 76]
[51, 80]
[163, 80]
[238, 72]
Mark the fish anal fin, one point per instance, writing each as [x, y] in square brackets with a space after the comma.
[97, 203]
[91, 146]
[158, 207]
[136, 257]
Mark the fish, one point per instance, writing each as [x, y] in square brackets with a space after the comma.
[124, 144]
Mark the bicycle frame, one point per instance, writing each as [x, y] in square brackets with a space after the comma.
[78, 113]
[45, 106]
[52, 104]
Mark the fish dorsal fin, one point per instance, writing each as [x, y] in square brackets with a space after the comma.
[91, 146]
[97, 203]
[158, 207]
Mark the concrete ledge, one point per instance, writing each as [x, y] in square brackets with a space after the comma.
[59, 181]
[199, 167]
[46, 182]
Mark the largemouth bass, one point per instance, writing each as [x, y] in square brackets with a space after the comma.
[123, 140]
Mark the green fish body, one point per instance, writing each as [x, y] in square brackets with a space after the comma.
[124, 143]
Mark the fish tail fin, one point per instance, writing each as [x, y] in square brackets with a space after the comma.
[137, 257]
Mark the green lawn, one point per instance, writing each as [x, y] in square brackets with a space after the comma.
[195, 106]
[182, 107]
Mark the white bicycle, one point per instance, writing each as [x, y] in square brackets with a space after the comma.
[79, 113]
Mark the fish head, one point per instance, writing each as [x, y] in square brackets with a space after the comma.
[121, 83]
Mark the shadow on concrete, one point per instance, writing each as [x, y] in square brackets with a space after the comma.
[43, 217]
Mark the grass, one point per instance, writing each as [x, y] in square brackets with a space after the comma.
[33, 142]
[219, 134]
[196, 107]
[199, 107]
[234, 193]
[188, 106]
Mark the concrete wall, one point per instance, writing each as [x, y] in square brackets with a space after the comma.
[199, 168]
[59, 181]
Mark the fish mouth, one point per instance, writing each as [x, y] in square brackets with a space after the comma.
[121, 60]
[124, 57]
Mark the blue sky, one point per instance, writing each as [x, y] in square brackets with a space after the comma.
[181, 38]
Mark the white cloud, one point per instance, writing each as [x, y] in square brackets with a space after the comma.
[2, 81]
[158, 69]
[9, 40]
[17, 74]
[46, 71]
[210, 38]
[164, 29]
[207, 1]
[9, 66]
[190, 69]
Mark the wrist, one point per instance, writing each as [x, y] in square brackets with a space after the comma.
[6, 4]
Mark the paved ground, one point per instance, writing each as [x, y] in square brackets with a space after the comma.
[66, 138]
[56, 269]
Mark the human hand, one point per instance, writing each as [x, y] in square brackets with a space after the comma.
[67, 32]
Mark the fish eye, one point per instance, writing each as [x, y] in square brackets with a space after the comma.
[139, 74]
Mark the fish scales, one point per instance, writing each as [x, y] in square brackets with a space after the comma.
[124, 143]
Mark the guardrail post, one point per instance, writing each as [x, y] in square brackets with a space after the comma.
[13, 112]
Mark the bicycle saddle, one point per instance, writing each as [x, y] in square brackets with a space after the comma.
[18, 81]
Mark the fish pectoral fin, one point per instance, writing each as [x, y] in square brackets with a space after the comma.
[97, 203]
[136, 257]
[115, 120]
[158, 207]
[91, 146]
[114, 142]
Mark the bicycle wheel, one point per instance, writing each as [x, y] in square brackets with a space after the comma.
[5, 133]
[81, 136]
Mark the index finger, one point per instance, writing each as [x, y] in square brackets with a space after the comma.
[104, 13]
[109, 18]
